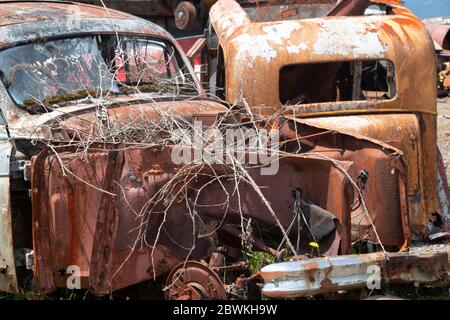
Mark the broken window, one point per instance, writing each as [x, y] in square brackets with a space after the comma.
[35, 72]
[151, 62]
[337, 81]
[55, 71]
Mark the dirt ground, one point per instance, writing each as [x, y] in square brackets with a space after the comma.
[444, 131]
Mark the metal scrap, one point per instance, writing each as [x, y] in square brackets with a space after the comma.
[331, 274]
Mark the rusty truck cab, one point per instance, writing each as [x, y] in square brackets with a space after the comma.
[359, 68]
[370, 75]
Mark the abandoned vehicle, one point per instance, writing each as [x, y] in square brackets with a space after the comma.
[332, 166]
[352, 77]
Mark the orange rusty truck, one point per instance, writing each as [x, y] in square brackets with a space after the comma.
[363, 69]
[115, 172]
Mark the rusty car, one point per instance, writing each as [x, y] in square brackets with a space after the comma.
[351, 70]
[92, 195]
[105, 185]
[60, 61]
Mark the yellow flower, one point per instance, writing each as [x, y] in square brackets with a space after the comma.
[314, 245]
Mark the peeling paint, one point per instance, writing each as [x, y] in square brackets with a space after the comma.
[228, 23]
[254, 47]
[254, 76]
[278, 31]
[349, 37]
[296, 49]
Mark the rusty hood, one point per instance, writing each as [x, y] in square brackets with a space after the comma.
[88, 118]
[138, 115]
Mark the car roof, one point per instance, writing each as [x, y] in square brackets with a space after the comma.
[16, 12]
[23, 21]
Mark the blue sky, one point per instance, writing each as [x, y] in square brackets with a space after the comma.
[429, 8]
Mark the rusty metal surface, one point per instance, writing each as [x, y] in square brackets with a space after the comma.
[50, 10]
[384, 192]
[98, 224]
[75, 216]
[349, 8]
[137, 7]
[274, 10]
[255, 52]
[403, 132]
[27, 23]
[31, 21]
[37, 21]
[330, 274]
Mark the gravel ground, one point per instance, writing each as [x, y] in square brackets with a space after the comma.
[444, 131]
[433, 248]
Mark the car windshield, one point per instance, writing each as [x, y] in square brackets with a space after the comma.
[51, 72]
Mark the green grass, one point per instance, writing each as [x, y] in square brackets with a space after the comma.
[60, 294]
[256, 260]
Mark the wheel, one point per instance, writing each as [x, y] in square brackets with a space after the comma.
[194, 281]
[185, 16]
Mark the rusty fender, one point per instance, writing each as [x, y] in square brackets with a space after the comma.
[385, 191]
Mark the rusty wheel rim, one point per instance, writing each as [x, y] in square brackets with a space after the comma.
[194, 281]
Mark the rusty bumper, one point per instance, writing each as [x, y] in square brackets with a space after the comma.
[331, 274]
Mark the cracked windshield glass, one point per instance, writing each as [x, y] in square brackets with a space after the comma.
[50, 73]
